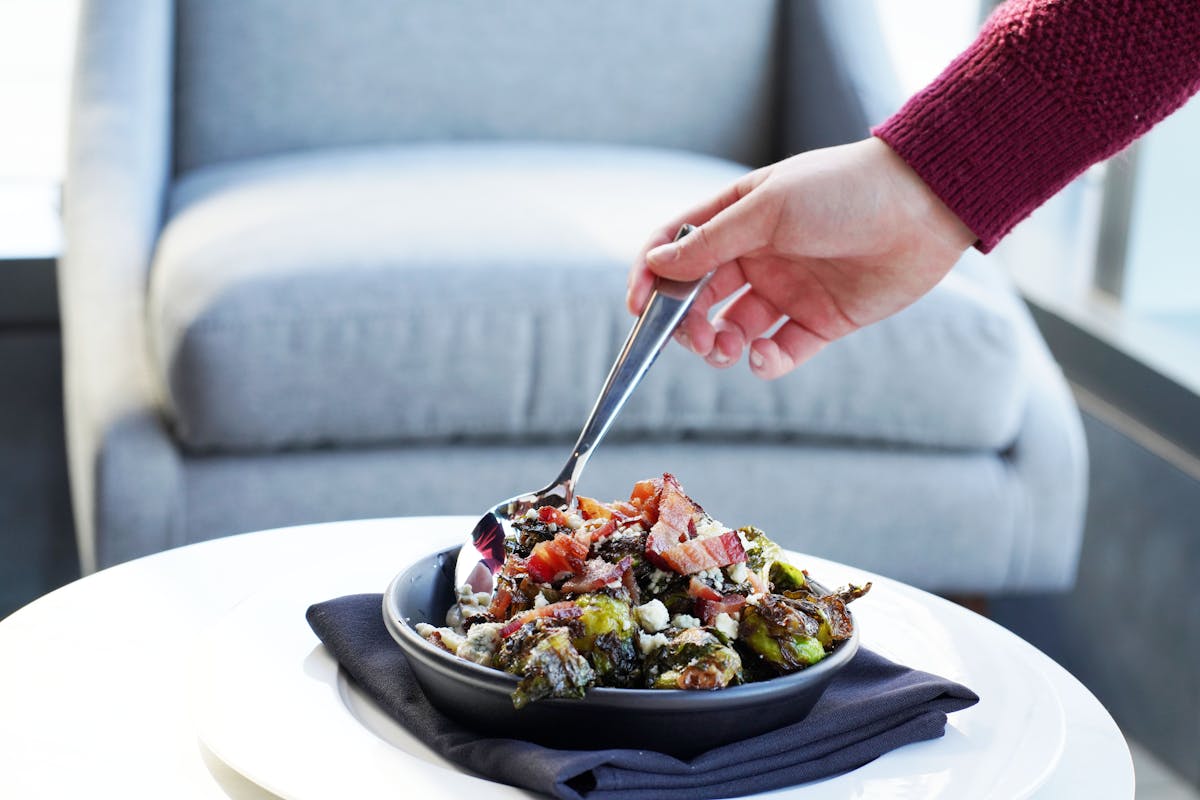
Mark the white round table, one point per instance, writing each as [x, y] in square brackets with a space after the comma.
[107, 683]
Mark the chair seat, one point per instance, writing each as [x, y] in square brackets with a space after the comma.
[377, 295]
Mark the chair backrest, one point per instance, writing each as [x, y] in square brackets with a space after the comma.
[255, 77]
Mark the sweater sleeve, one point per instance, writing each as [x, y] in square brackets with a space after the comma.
[1049, 88]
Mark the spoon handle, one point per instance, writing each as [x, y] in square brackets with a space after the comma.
[668, 304]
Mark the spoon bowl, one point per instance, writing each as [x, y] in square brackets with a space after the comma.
[482, 555]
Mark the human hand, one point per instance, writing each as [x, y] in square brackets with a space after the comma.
[827, 241]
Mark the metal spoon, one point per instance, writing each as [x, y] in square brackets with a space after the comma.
[482, 554]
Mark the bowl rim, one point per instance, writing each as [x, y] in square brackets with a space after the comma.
[488, 678]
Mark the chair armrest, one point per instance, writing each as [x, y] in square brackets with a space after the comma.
[118, 166]
[837, 79]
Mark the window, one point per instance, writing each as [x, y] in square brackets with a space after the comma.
[1157, 276]
[36, 39]
[1113, 253]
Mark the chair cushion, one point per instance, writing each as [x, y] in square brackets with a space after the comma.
[476, 291]
[249, 74]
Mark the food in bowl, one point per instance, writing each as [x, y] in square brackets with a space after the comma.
[645, 593]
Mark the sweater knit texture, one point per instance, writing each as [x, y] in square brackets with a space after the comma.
[1049, 88]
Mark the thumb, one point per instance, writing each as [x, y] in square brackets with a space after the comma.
[734, 232]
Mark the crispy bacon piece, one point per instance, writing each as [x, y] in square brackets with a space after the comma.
[559, 611]
[607, 529]
[560, 557]
[598, 573]
[514, 567]
[700, 590]
[509, 596]
[660, 539]
[707, 610]
[695, 555]
[674, 523]
[624, 512]
[590, 508]
[631, 586]
[501, 600]
[552, 515]
[674, 507]
[645, 490]
[435, 639]
[645, 497]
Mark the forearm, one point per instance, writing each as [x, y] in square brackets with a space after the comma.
[1048, 88]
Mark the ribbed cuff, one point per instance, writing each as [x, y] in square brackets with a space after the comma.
[990, 140]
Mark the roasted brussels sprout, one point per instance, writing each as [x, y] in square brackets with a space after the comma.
[549, 665]
[623, 543]
[782, 632]
[693, 658]
[784, 576]
[605, 614]
[761, 552]
[836, 623]
[606, 639]
[767, 560]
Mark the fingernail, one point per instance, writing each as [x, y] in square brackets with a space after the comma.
[721, 325]
[756, 360]
[718, 359]
[663, 253]
[682, 337]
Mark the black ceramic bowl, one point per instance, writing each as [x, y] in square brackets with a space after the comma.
[678, 722]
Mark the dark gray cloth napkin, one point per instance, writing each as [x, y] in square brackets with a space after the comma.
[872, 706]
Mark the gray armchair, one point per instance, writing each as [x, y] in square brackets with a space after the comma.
[355, 258]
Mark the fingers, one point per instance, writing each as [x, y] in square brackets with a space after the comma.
[737, 233]
[640, 277]
[641, 283]
[729, 227]
[786, 349]
[728, 343]
[739, 229]
[696, 332]
[745, 319]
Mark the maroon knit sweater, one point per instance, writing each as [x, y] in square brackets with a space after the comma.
[1049, 88]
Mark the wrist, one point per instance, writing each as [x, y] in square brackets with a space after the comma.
[922, 202]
